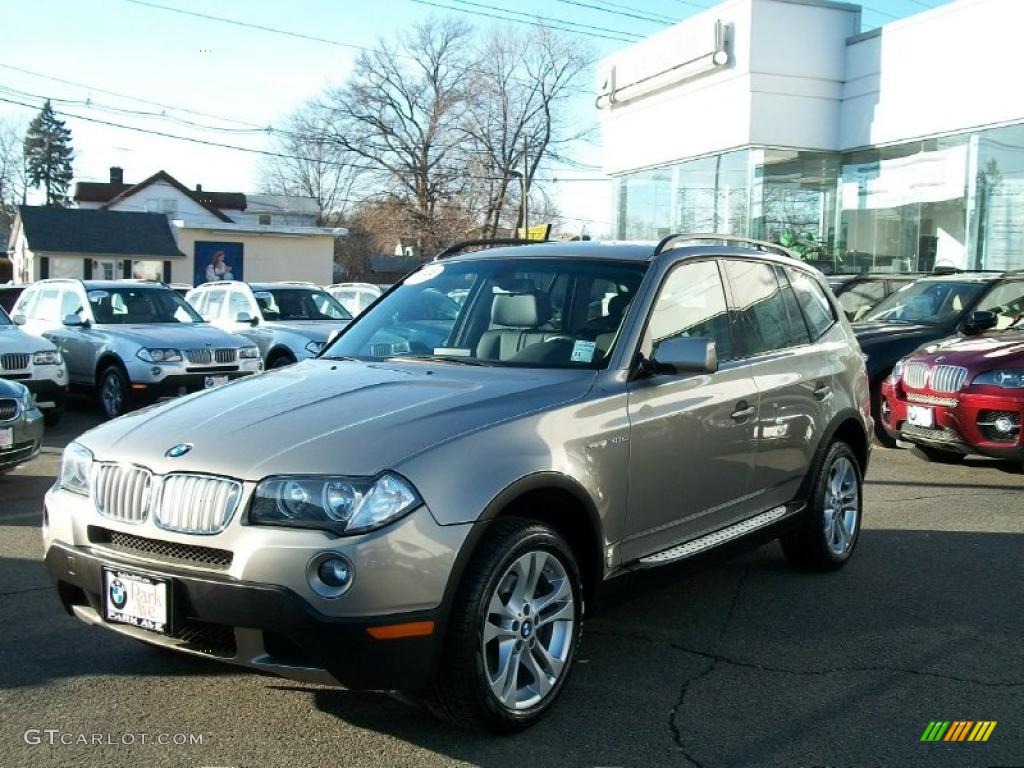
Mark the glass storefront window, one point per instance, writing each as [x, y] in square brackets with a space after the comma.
[997, 220]
[710, 194]
[903, 208]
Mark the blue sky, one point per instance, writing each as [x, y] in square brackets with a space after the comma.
[243, 79]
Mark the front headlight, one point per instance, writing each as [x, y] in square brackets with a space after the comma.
[249, 353]
[159, 355]
[315, 347]
[75, 469]
[49, 357]
[343, 505]
[1008, 379]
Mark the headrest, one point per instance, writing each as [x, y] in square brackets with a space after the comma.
[617, 305]
[520, 310]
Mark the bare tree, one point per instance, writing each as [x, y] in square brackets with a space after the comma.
[13, 184]
[312, 164]
[399, 114]
[514, 121]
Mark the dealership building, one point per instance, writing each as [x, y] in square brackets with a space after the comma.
[899, 148]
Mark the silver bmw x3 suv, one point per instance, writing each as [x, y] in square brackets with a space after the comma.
[435, 520]
[36, 363]
[131, 341]
[287, 321]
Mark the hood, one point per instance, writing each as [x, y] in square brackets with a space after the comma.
[11, 388]
[311, 330]
[868, 333]
[977, 353]
[177, 335]
[330, 416]
[15, 340]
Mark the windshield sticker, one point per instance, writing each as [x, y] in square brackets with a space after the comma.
[583, 351]
[452, 352]
[428, 272]
[98, 295]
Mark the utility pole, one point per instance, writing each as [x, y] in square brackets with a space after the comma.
[526, 191]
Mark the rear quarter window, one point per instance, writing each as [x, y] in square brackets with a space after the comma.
[815, 304]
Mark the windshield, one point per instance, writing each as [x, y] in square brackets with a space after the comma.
[927, 301]
[299, 304]
[533, 312]
[129, 305]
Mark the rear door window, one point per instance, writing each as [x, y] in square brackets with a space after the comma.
[760, 306]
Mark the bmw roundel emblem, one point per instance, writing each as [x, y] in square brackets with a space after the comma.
[179, 450]
[118, 594]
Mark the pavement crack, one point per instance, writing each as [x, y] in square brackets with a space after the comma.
[677, 735]
[734, 602]
[24, 591]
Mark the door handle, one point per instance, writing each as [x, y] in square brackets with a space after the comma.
[743, 411]
[822, 390]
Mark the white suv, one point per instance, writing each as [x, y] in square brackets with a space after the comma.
[355, 297]
[36, 363]
[287, 321]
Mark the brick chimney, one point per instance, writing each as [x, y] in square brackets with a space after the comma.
[116, 175]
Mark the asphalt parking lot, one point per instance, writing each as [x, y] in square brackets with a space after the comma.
[748, 663]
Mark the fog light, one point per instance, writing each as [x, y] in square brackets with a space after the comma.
[1004, 424]
[335, 572]
[330, 574]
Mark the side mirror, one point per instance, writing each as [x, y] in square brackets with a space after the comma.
[243, 317]
[75, 321]
[19, 319]
[979, 321]
[686, 354]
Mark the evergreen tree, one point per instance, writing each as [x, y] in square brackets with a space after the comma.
[48, 155]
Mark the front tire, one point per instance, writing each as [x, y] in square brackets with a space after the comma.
[830, 527]
[115, 394]
[52, 416]
[280, 360]
[514, 629]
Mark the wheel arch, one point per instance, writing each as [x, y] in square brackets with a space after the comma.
[848, 427]
[105, 361]
[280, 349]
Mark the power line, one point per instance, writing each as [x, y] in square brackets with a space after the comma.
[251, 150]
[517, 21]
[544, 20]
[628, 14]
[618, 6]
[325, 40]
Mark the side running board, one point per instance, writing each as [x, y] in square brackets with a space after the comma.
[719, 537]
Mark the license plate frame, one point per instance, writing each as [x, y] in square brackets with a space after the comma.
[6, 438]
[137, 588]
[212, 382]
[920, 416]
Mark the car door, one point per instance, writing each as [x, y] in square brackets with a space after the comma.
[794, 377]
[78, 349]
[692, 443]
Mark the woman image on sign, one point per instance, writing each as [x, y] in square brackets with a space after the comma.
[218, 269]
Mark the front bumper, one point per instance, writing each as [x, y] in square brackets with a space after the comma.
[27, 431]
[261, 626]
[174, 384]
[254, 605]
[956, 427]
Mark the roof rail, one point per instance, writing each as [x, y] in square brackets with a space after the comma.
[673, 241]
[455, 248]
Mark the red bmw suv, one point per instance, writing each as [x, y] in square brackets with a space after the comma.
[961, 395]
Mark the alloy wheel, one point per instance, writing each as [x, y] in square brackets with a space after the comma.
[842, 506]
[112, 394]
[528, 630]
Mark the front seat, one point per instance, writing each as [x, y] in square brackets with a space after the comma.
[516, 320]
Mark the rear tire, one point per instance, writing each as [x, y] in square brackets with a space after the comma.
[828, 533]
[937, 455]
[115, 393]
[882, 437]
[502, 667]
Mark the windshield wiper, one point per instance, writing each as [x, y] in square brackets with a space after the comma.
[440, 359]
